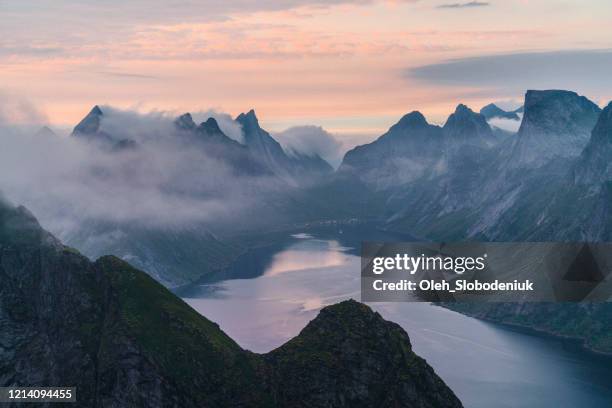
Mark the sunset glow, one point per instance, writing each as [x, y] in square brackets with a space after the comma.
[346, 66]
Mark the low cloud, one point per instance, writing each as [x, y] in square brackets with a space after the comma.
[510, 125]
[226, 123]
[470, 4]
[166, 180]
[311, 141]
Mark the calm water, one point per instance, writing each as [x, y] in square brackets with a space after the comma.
[485, 364]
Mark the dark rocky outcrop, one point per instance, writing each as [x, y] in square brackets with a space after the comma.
[340, 358]
[125, 341]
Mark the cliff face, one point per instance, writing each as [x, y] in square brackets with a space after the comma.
[350, 357]
[124, 340]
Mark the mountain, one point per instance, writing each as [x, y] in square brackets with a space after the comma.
[555, 124]
[594, 166]
[90, 124]
[291, 167]
[551, 182]
[492, 111]
[124, 340]
[464, 181]
[90, 129]
[258, 177]
[209, 137]
[45, 131]
[465, 127]
[410, 149]
[414, 151]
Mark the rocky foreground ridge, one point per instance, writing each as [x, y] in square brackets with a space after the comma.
[124, 340]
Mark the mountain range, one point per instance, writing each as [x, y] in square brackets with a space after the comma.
[465, 180]
[122, 339]
[462, 180]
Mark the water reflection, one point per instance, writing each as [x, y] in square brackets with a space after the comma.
[485, 364]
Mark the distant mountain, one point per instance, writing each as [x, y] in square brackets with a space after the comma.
[45, 131]
[460, 182]
[594, 166]
[89, 129]
[412, 149]
[555, 124]
[492, 111]
[124, 340]
[550, 182]
[467, 127]
[292, 167]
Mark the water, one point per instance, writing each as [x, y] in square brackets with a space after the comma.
[486, 365]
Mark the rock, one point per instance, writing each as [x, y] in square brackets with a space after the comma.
[124, 340]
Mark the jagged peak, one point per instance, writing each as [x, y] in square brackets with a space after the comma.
[211, 126]
[414, 119]
[248, 120]
[490, 106]
[96, 111]
[462, 109]
[90, 123]
[492, 111]
[464, 114]
[185, 121]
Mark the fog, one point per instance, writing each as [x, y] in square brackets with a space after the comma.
[311, 141]
[165, 180]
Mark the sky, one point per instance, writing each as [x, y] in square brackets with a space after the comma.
[352, 67]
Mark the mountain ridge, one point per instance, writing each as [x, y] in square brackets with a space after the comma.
[124, 340]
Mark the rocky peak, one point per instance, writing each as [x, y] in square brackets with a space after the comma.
[556, 123]
[412, 120]
[90, 123]
[210, 126]
[558, 111]
[492, 111]
[349, 344]
[467, 125]
[594, 165]
[185, 122]
[248, 121]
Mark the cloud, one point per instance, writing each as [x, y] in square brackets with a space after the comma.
[166, 180]
[30, 51]
[227, 124]
[15, 110]
[586, 71]
[470, 4]
[311, 141]
[127, 75]
[507, 124]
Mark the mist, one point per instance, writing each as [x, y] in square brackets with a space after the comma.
[165, 180]
[311, 141]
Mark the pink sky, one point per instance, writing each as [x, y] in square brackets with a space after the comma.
[344, 66]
